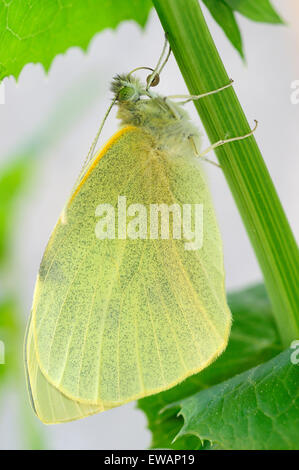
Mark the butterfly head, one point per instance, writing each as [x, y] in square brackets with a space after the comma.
[128, 88]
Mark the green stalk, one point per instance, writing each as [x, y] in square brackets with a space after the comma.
[242, 162]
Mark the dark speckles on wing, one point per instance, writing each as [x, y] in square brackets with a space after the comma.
[50, 269]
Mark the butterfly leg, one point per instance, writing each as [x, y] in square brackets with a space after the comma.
[172, 109]
[219, 144]
[197, 153]
[188, 98]
[227, 141]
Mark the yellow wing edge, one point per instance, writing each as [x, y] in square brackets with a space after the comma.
[108, 405]
[100, 155]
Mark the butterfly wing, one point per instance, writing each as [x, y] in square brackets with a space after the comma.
[118, 319]
[49, 404]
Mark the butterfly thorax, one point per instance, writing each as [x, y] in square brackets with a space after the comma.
[167, 121]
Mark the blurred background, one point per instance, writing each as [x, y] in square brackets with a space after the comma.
[46, 127]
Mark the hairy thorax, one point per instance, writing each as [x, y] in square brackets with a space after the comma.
[167, 122]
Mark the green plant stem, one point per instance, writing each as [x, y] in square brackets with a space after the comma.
[242, 162]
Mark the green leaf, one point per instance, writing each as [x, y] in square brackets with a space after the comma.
[254, 339]
[257, 410]
[256, 10]
[225, 17]
[9, 330]
[13, 178]
[38, 30]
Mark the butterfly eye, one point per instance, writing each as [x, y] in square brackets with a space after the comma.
[153, 81]
[126, 93]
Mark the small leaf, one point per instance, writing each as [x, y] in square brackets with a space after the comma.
[13, 177]
[256, 10]
[254, 339]
[38, 30]
[257, 410]
[225, 17]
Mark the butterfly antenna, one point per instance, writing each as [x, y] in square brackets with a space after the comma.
[139, 68]
[165, 61]
[95, 142]
[157, 70]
